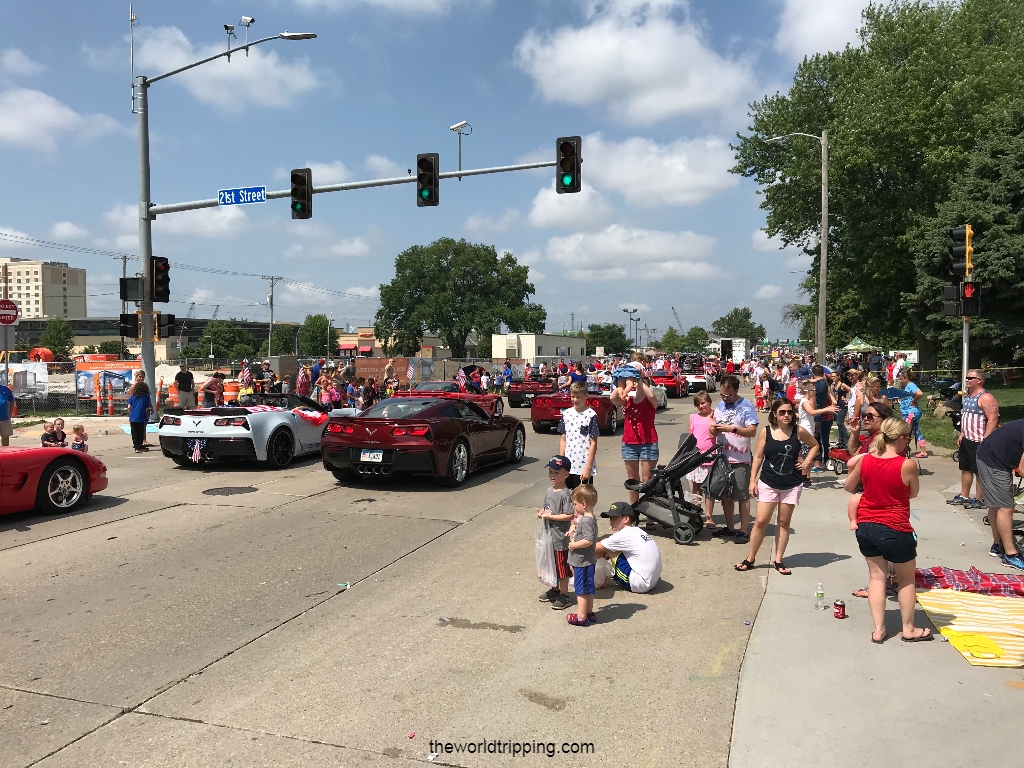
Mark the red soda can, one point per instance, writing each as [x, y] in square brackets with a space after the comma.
[840, 609]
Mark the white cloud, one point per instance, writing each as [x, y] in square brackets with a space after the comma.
[329, 173]
[484, 223]
[801, 261]
[812, 26]
[357, 291]
[14, 62]
[760, 241]
[328, 247]
[262, 78]
[585, 210]
[350, 246]
[66, 230]
[33, 119]
[638, 60]
[768, 292]
[412, 6]
[646, 173]
[797, 259]
[4, 243]
[384, 168]
[223, 222]
[641, 306]
[623, 253]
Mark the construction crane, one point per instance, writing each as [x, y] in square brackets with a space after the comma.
[216, 309]
[191, 314]
[678, 321]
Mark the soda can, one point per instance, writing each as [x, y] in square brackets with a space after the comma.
[840, 609]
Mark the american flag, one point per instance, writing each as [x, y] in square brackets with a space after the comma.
[196, 447]
[410, 372]
[245, 377]
[461, 377]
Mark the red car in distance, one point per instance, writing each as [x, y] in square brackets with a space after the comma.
[546, 412]
[49, 480]
[675, 383]
[432, 436]
[521, 392]
[490, 402]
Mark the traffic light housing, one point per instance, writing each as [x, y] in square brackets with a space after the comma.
[970, 299]
[302, 193]
[428, 184]
[161, 271]
[130, 326]
[568, 160]
[165, 326]
[961, 250]
[951, 301]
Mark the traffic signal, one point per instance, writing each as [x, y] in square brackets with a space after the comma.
[569, 158]
[428, 184]
[161, 271]
[961, 250]
[130, 326]
[131, 289]
[302, 193]
[970, 299]
[165, 326]
[951, 301]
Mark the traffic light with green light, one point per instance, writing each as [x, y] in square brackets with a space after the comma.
[302, 193]
[427, 182]
[569, 158]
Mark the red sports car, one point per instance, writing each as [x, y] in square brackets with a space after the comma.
[522, 391]
[50, 480]
[438, 437]
[546, 412]
[674, 383]
[490, 402]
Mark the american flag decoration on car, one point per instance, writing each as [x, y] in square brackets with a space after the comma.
[461, 377]
[410, 373]
[195, 448]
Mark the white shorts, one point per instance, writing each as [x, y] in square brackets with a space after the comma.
[776, 495]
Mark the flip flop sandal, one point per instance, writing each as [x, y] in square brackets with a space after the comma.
[782, 569]
[927, 635]
[879, 642]
[744, 566]
[860, 592]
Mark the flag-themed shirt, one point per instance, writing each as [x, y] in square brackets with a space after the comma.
[739, 414]
[973, 420]
[579, 428]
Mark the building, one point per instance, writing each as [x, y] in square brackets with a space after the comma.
[363, 343]
[534, 347]
[45, 288]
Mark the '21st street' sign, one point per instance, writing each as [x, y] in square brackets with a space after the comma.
[242, 196]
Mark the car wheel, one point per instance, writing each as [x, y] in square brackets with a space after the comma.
[458, 465]
[613, 423]
[281, 449]
[518, 445]
[514, 403]
[62, 487]
[181, 461]
[499, 407]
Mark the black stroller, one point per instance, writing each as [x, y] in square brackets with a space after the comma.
[661, 498]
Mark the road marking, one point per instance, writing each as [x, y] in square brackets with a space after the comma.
[715, 668]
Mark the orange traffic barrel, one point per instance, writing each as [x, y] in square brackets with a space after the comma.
[172, 393]
[230, 391]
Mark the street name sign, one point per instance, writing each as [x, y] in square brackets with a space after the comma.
[242, 196]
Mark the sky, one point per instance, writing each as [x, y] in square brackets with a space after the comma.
[656, 88]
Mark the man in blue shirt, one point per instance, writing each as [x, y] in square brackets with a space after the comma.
[998, 455]
[314, 374]
[6, 428]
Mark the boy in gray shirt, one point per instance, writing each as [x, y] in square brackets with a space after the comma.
[582, 556]
[557, 516]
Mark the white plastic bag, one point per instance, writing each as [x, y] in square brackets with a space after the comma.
[545, 551]
[602, 573]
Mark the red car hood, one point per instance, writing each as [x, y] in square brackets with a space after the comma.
[45, 454]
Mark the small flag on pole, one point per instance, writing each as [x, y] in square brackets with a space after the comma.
[460, 377]
[410, 373]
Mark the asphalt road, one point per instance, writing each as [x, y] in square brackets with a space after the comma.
[195, 618]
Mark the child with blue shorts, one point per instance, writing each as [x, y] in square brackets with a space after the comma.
[582, 555]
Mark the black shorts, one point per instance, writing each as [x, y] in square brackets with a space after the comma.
[877, 540]
[968, 452]
[575, 481]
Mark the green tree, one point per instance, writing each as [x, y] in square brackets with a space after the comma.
[452, 287]
[192, 352]
[58, 336]
[611, 336]
[696, 340]
[739, 324]
[316, 335]
[284, 343]
[89, 350]
[672, 340]
[228, 340]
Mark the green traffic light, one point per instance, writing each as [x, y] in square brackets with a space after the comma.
[567, 180]
[425, 194]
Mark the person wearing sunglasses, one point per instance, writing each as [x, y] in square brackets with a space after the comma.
[782, 475]
[979, 419]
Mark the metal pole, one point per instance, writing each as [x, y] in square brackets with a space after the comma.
[7, 352]
[124, 304]
[145, 233]
[964, 365]
[822, 282]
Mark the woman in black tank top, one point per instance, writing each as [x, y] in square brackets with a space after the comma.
[777, 456]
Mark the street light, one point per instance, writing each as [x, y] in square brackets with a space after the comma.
[819, 331]
[141, 103]
[631, 312]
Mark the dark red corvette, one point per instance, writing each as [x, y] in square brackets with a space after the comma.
[50, 480]
[438, 437]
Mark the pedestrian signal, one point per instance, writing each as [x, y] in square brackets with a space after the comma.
[970, 299]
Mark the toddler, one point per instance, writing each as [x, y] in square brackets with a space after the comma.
[79, 443]
[582, 555]
[49, 438]
[58, 430]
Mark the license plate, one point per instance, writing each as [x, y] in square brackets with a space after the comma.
[529, 395]
[376, 456]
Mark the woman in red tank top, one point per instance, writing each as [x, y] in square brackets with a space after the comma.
[882, 523]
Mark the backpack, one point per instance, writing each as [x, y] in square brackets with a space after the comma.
[720, 480]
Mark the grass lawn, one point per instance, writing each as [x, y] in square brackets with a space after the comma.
[940, 431]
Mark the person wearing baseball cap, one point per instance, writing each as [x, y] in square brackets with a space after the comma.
[634, 555]
[557, 516]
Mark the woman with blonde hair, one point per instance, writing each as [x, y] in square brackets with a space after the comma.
[882, 524]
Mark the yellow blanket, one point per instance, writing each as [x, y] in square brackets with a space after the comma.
[987, 630]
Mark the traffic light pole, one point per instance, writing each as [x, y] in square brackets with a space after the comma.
[145, 234]
[822, 273]
[964, 365]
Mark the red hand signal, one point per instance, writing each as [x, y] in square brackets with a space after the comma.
[969, 290]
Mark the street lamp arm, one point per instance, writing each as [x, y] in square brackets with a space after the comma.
[777, 139]
[245, 47]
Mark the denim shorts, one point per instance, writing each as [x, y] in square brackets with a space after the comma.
[643, 452]
[877, 540]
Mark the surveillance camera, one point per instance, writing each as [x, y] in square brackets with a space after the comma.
[229, 28]
[247, 20]
[457, 126]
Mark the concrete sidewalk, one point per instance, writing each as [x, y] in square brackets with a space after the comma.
[814, 690]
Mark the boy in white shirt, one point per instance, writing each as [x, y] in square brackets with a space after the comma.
[579, 429]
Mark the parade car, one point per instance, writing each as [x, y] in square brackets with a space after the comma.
[490, 402]
[546, 412]
[702, 381]
[675, 384]
[49, 480]
[521, 392]
[432, 436]
[270, 428]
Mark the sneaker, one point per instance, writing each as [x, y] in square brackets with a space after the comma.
[817, 469]
[742, 538]
[548, 596]
[958, 499]
[560, 602]
[975, 504]
[1014, 561]
[723, 532]
[996, 550]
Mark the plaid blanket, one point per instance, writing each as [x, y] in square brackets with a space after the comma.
[973, 580]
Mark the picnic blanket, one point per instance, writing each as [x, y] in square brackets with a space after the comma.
[987, 630]
[970, 581]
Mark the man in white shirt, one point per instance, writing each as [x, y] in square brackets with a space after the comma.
[634, 555]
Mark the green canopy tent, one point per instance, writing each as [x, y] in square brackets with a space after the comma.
[857, 345]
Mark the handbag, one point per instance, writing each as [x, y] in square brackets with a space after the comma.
[721, 480]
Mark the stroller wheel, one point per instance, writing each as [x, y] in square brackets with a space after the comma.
[683, 533]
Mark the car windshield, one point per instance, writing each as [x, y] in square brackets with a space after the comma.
[397, 408]
[437, 386]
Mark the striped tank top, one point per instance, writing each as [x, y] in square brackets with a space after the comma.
[973, 420]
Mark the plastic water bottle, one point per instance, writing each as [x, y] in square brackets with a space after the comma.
[819, 603]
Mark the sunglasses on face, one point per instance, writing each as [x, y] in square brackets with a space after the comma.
[785, 413]
[870, 416]
[973, 378]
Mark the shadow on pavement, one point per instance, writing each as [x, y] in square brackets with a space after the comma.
[421, 483]
[23, 521]
[813, 559]
[617, 611]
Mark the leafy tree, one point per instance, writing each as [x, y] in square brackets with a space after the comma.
[316, 335]
[696, 340]
[58, 336]
[611, 336]
[284, 343]
[904, 109]
[90, 350]
[739, 324]
[192, 352]
[109, 348]
[452, 287]
[228, 340]
[240, 352]
[672, 340]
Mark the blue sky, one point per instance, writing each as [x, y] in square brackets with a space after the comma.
[657, 88]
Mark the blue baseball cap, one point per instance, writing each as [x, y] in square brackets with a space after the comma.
[560, 462]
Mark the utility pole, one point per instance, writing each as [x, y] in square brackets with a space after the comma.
[270, 300]
[822, 281]
[124, 304]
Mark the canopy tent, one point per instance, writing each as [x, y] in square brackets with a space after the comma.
[857, 345]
